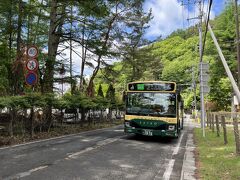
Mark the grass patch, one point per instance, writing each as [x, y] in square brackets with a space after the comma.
[216, 160]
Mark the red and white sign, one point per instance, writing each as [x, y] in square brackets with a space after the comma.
[32, 65]
[32, 51]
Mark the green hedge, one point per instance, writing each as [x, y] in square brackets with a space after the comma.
[68, 101]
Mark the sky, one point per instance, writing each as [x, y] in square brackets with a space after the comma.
[170, 15]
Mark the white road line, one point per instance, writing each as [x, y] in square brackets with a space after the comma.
[54, 138]
[118, 130]
[26, 173]
[168, 172]
[169, 168]
[176, 149]
[71, 156]
[75, 155]
[99, 144]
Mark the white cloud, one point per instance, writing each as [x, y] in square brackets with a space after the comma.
[168, 16]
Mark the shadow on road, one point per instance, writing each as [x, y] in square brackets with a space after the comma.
[152, 139]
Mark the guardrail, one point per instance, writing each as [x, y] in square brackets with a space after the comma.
[221, 120]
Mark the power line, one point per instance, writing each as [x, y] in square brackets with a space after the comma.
[206, 29]
[188, 13]
[183, 17]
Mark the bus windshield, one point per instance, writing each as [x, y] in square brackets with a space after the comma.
[151, 104]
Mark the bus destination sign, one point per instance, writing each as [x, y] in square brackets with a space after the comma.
[151, 86]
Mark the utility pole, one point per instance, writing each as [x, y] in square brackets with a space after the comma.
[194, 91]
[201, 69]
[235, 121]
[201, 65]
[237, 40]
[238, 46]
[71, 49]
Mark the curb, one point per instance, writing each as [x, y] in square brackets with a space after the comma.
[189, 166]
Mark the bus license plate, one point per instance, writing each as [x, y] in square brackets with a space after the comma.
[147, 132]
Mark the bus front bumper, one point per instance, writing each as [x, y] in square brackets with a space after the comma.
[151, 132]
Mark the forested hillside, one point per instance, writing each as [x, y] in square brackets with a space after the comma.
[177, 57]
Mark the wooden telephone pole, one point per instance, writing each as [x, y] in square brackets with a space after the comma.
[235, 121]
[237, 39]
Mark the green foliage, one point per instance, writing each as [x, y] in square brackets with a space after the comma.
[68, 101]
[100, 91]
[110, 96]
[100, 102]
[4, 103]
[221, 93]
[22, 102]
[4, 70]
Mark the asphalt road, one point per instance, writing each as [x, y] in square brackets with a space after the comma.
[104, 154]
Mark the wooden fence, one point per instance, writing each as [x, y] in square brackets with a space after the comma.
[221, 120]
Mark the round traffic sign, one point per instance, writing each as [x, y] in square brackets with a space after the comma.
[31, 78]
[32, 51]
[32, 65]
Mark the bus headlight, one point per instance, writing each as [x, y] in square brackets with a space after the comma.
[127, 124]
[171, 127]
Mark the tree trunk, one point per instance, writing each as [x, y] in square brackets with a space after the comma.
[104, 48]
[10, 29]
[84, 54]
[54, 35]
[10, 126]
[18, 72]
[19, 29]
[32, 122]
[38, 21]
[55, 30]
[71, 49]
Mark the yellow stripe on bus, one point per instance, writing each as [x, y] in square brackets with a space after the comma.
[165, 119]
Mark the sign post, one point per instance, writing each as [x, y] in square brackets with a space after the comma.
[204, 89]
[32, 65]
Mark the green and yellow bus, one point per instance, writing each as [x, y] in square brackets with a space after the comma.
[153, 108]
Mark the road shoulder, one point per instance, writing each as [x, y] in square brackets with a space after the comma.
[189, 162]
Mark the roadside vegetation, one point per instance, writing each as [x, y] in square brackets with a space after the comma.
[57, 130]
[215, 160]
[23, 119]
